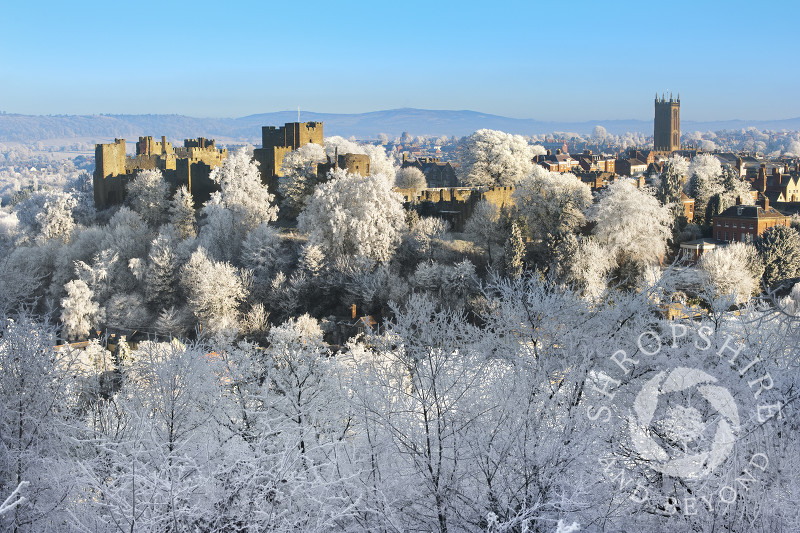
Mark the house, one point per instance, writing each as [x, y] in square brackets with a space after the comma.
[694, 250]
[558, 162]
[746, 222]
[438, 173]
[631, 166]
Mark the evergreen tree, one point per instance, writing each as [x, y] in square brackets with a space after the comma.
[715, 206]
[779, 247]
[182, 214]
[669, 189]
[160, 282]
[515, 252]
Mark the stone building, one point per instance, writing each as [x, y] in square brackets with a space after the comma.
[189, 165]
[438, 173]
[352, 163]
[455, 204]
[277, 142]
[667, 124]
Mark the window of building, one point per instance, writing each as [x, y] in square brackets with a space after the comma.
[726, 223]
[751, 225]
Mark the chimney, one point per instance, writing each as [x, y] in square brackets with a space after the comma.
[353, 311]
[738, 200]
[762, 177]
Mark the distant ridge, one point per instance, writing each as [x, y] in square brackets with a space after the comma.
[393, 122]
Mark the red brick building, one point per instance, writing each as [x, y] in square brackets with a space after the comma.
[746, 222]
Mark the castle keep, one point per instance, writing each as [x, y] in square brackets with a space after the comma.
[277, 142]
[189, 165]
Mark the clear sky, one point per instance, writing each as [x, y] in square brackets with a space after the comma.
[555, 60]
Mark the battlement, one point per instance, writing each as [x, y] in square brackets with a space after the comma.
[200, 142]
[291, 135]
[147, 146]
[189, 165]
[455, 204]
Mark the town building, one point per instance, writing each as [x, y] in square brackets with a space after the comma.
[557, 162]
[744, 223]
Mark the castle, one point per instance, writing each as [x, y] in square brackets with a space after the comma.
[189, 165]
[277, 142]
[667, 124]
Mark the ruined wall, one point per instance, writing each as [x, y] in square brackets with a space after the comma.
[353, 163]
[455, 204]
[190, 165]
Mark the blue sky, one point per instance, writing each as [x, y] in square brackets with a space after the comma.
[594, 60]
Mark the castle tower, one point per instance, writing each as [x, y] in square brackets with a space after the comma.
[667, 124]
[277, 142]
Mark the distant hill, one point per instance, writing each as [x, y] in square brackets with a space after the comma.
[102, 128]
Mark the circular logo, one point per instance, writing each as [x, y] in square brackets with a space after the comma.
[672, 436]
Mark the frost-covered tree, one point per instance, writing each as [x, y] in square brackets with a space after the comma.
[552, 203]
[734, 271]
[588, 268]
[213, 291]
[709, 179]
[148, 195]
[354, 216]
[299, 178]
[182, 213]
[37, 394]
[379, 161]
[47, 215]
[484, 225]
[80, 313]
[161, 287]
[261, 250]
[631, 222]
[242, 193]
[410, 178]
[670, 188]
[779, 248]
[514, 252]
[494, 158]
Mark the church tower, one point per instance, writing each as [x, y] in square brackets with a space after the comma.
[667, 124]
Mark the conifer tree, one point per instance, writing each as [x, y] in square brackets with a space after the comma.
[182, 214]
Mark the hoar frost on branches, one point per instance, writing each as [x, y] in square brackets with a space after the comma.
[494, 158]
[632, 222]
[552, 203]
[734, 270]
[354, 216]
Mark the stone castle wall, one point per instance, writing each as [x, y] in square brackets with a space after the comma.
[190, 166]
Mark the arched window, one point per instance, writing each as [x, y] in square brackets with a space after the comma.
[675, 116]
